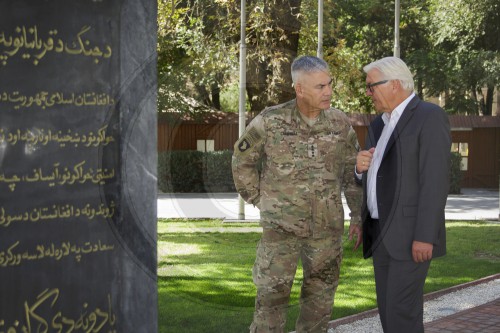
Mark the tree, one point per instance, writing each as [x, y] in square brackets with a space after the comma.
[452, 47]
[272, 40]
[468, 30]
[197, 51]
[356, 33]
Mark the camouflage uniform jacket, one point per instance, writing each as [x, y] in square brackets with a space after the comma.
[294, 173]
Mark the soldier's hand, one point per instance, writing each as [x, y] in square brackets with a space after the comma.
[355, 229]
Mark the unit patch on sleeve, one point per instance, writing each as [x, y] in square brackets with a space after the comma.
[244, 145]
[251, 137]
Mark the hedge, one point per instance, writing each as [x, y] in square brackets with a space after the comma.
[190, 171]
[455, 173]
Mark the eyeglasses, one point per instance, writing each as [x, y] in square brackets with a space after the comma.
[370, 86]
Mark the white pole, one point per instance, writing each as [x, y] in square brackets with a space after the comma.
[242, 98]
[320, 29]
[396, 29]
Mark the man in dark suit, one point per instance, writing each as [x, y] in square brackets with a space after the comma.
[405, 176]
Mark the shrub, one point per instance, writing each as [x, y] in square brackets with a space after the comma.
[455, 173]
[190, 171]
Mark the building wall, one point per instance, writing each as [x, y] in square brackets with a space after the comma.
[185, 136]
[483, 161]
[483, 167]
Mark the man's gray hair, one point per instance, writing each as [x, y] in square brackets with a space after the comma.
[393, 68]
[307, 64]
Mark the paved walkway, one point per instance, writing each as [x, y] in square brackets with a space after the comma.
[484, 318]
[466, 308]
[472, 204]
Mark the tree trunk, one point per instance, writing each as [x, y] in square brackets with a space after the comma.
[420, 88]
[257, 74]
[286, 13]
[215, 92]
[204, 94]
[269, 79]
[488, 110]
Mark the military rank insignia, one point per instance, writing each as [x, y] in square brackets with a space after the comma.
[312, 150]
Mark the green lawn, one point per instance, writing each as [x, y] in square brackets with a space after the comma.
[205, 283]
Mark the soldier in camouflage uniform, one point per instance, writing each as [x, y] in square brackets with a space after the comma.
[292, 163]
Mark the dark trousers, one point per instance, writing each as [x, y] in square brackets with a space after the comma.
[400, 292]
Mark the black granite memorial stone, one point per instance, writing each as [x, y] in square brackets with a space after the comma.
[78, 166]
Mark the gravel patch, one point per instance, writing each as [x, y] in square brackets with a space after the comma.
[439, 307]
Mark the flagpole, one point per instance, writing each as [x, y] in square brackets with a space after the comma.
[320, 29]
[242, 98]
[396, 29]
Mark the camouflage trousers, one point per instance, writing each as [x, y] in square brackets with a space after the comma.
[273, 273]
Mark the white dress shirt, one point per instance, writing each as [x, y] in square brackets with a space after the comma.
[390, 121]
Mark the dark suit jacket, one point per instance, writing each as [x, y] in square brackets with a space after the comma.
[412, 182]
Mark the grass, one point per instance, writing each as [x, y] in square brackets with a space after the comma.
[194, 225]
[205, 282]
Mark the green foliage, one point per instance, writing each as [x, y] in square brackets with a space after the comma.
[365, 25]
[205, 279]
[230, 98]
[196, 51]
[272, 39]
[463, 25]
[433, 70]
[191, 171]
[180, 171]
[348, 81]
[467, 32]
[199, 172]
[217, 172]
[344, 59]
[451, 46]
[455, 173]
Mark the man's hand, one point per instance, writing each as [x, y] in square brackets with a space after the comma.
[355, 229]
[421, 251]
[363, 160]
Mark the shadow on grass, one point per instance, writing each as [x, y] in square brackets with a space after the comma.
[205, 279]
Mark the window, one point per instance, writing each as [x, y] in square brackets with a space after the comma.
[463, 149]
[205, 145]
